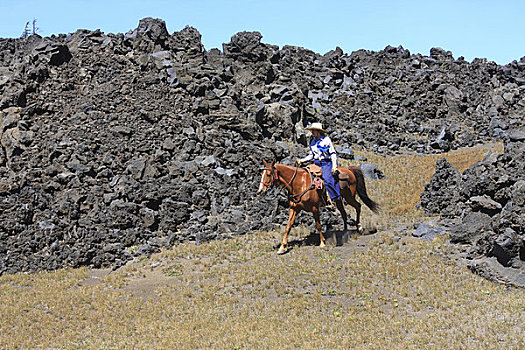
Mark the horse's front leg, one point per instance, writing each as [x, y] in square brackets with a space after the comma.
[291, 220]
[315, 212]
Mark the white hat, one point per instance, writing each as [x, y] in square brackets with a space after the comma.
[316, 126]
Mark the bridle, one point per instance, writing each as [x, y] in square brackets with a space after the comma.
[296, 198]
[274, 176]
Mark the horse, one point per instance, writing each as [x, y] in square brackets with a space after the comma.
[302, 194]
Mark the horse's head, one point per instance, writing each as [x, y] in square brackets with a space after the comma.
[268, 176]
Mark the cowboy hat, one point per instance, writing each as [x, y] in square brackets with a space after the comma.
[316, 126]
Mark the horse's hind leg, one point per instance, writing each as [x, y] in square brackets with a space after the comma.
[291, 220]
[357, 206]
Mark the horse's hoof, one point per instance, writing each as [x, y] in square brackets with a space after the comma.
[282, 250]
[359, 228]
[322, 245]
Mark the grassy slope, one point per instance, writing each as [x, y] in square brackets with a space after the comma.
[387, 290]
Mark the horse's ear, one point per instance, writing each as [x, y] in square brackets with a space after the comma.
[273, 162]
[264, 162]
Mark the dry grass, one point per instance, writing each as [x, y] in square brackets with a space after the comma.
[376, 292]
[398, 195]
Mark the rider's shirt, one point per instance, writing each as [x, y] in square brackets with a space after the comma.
[321, 149]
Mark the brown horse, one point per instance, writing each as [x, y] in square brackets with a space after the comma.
[303, 196]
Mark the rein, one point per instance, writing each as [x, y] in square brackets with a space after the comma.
[295, 198]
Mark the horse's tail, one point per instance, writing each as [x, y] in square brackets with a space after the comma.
[361, 189]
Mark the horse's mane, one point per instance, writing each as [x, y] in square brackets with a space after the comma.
[292, 168]
[289, 166]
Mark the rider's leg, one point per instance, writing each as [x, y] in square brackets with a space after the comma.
[332, 186]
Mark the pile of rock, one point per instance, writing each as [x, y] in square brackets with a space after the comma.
[114, 145]
[483, 208]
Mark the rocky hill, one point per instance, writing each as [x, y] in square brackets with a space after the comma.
[483, 208]
[114, 145]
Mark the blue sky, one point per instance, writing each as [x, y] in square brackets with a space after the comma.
[473, 29]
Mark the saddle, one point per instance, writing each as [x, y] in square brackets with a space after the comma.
[318, 184]
[317, 176]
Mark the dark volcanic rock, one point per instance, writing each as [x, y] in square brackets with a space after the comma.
[429, 230]
[440, 195]
[487, 203]
[113, 145]
[371, 171]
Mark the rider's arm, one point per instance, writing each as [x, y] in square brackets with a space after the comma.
[333, 155]
[310, 156]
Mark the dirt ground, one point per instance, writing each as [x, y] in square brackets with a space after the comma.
[156, 273]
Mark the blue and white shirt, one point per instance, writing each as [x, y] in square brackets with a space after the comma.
[321, 149]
